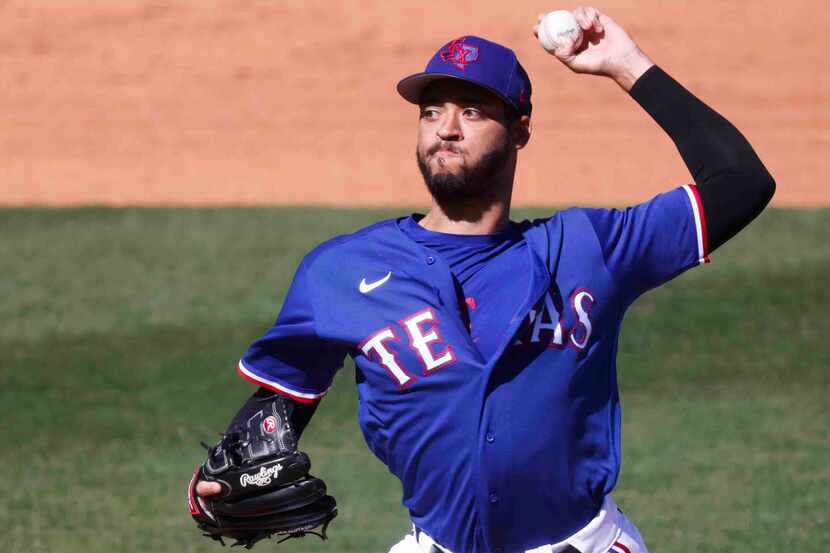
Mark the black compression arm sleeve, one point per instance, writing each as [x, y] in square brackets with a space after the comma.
[300, 413]
[734, 185]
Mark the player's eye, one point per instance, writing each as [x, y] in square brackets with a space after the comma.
[429, 113]
[472, 113]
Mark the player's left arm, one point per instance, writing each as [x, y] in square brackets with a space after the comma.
[733, 184]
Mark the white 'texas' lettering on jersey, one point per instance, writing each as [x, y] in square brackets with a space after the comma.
[421, 338]
[583, 315]
[546, 324]
[374, 346]
[547, 309]
[424, 339]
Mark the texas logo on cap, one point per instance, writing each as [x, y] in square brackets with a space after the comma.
[478, 61]
[459, 54]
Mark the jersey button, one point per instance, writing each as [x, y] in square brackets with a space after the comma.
[494, 497]
[490, 437]
[430, 260]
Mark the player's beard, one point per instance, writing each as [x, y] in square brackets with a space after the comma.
[472, 182]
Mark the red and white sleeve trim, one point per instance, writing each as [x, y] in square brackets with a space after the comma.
[302, 397]
[700, 223]
[617, 547]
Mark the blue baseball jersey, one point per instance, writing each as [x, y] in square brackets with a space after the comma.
[488, 288]
[501, 452]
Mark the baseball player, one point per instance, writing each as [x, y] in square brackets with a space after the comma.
[485, 348]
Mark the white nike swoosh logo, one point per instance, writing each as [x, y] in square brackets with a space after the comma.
[366, 287]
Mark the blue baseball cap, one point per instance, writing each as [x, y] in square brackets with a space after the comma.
[478, 61]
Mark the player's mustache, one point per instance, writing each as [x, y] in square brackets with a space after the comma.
[449, 146]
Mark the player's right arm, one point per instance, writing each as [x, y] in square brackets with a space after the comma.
[733, 184]
[291, 363]
[650, 243]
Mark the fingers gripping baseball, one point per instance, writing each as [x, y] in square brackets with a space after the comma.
[559, 33]
[588, 18]
[600, 47]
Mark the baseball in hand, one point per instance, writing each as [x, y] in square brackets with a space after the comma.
[557, 29]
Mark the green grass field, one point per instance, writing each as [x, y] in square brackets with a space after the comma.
[121, 329]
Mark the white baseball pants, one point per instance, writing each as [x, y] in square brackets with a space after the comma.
[609, 532]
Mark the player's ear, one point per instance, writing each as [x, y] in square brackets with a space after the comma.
[520, 130]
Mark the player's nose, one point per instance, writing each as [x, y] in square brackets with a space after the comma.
[450, 129]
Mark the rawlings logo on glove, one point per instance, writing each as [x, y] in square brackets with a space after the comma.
[266, 487]
[262, 478]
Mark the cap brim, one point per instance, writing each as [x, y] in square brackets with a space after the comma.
[411, 87]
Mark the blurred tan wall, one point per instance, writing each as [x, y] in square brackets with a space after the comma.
[203, 102]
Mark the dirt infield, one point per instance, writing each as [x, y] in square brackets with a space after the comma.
[199, 102]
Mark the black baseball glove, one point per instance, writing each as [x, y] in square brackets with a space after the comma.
[266, 487]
